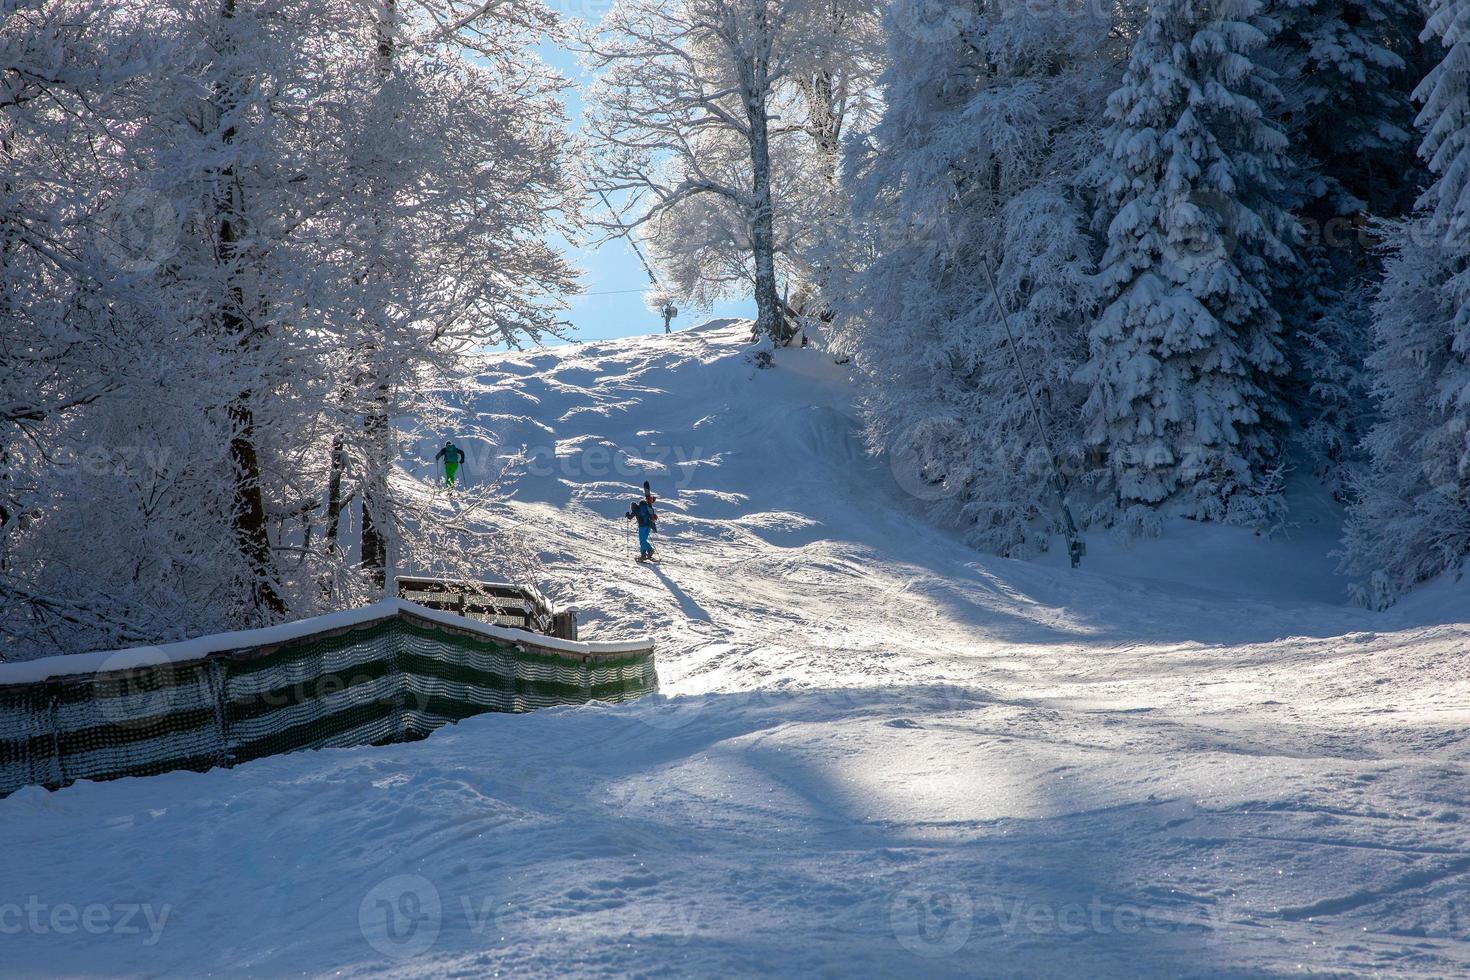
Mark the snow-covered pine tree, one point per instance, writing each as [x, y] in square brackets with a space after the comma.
[989, 120]
[1347, 69]
[1186, 356]
[1329, 330]
[1412, 518]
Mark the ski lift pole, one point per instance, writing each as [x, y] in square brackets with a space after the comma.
[1076, 548]
[669, 311]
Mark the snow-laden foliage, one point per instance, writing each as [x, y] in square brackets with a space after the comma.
[1330, 324]
[248, 235]
[714, 135]
[1413, 517]
[1186, 354]
[1411, 520]
[988, 121]
[1347, 76]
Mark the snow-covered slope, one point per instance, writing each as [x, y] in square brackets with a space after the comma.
[877, 753]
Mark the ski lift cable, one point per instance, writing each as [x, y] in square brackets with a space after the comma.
[625, 232]
[1075, 547]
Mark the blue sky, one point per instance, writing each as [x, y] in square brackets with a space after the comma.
[614, 280]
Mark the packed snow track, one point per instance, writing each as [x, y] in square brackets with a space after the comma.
[876, 753]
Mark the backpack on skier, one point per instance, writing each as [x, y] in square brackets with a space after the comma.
[642, 511]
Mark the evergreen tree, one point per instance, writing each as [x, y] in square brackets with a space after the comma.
[1346, 67]
[1186, 356]
[1348, 70]
[1412, 520]
[989, 120]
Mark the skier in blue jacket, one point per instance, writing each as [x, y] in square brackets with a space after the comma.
[642, 511]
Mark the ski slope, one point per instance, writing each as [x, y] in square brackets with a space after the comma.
[877, 752]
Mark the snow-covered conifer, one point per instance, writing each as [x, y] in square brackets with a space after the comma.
[1186, 355]
[1347, 71]
[1412, 519]
[989, 121]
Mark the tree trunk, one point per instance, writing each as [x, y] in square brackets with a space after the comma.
[377, 514]
[377, 521]
[825, 113]
[334, 493]
[770, 321]
[248, 519]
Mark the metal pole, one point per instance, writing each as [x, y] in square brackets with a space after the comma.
[638, 252]
[1075, 546]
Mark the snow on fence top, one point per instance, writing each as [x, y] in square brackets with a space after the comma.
[33, 671]
[390, 672]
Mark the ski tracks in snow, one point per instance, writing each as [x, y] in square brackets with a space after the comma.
[875, 753]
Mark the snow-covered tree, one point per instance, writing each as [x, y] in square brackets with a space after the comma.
[1186, 356]
[1329, 335]
[1412, 519]
[989, 120]
[1345, 67]
[1347, 74]
[714, 130]
[683, 112]
[242, 239]
[837, 82]
[78, 333]
[479, 271]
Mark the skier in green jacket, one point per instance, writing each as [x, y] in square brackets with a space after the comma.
[453, 456]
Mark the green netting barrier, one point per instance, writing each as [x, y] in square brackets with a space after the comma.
[393, 679]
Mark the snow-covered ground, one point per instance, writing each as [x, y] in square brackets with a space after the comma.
[877, 752]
